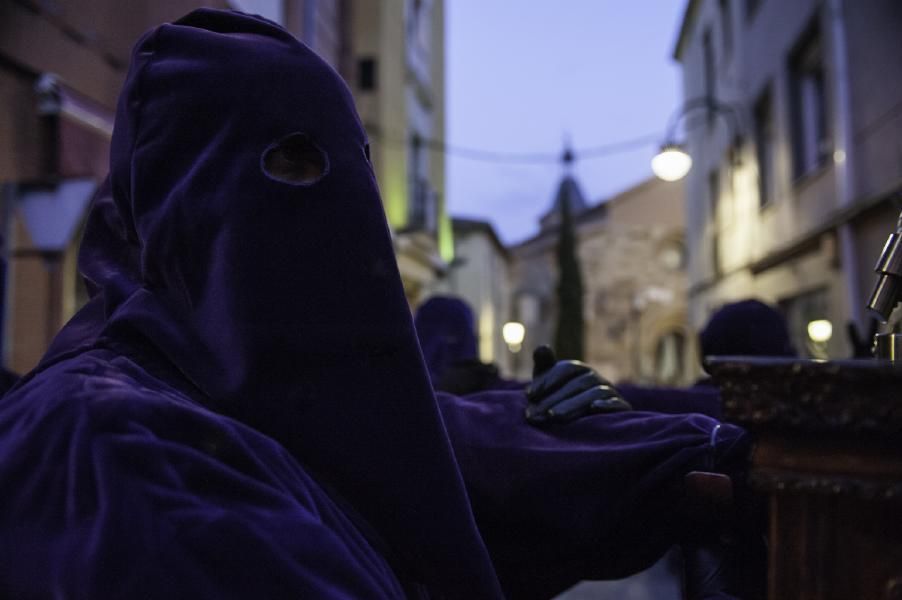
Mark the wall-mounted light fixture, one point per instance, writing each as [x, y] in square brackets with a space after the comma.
[672, 162]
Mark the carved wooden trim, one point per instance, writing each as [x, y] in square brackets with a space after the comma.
[859, 397]
[818, 483]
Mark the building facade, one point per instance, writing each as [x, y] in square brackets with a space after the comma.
[62, 65]
[398, 79]
[631, 249]
[796, 175]
[392, 55]
[480, 275]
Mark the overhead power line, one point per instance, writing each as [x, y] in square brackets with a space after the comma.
[481, 154]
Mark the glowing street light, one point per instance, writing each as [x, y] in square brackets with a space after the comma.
[820, 330]
[513, 334]
[671, 163]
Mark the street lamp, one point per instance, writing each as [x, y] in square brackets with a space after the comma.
[820, 330]
[672, 162]
[819, 333]
[513, 334]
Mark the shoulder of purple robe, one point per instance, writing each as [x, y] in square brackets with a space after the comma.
[115, 485]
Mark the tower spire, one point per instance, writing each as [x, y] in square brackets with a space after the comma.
[568, 156]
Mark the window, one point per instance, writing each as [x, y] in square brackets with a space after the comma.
[528, 309]
[762, 115]
[418, 19]
[670, 358]
[708, 51]
[423, 199]
[713, 203]
[673, 255]
[726, 27]
[601, 303]
[811, 141]
[366, 74]
[423, 202]
[802, 309]
[751, 7]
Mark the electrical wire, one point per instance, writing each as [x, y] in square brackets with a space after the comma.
[479, 154]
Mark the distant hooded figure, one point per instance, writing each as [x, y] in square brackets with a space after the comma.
[242, 411]
[746, 328]
[447, 333]
[743, 328]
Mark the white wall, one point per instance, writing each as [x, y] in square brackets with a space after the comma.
[274, 10]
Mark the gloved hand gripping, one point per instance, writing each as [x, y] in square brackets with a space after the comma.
[562, 391]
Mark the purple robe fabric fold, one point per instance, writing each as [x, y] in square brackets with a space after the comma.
[598, 498]
[242, 409]
[118, 485]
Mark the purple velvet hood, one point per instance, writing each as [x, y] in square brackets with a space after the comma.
[277, 304]
[746, 328]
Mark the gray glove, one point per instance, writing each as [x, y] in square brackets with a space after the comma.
[562, 391]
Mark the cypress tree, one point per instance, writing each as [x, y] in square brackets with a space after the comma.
[568, 339]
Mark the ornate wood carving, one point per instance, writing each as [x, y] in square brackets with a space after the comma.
[819, 483]
[828, 455]
[855, 396]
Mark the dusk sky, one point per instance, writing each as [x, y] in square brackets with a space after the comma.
[522, 75]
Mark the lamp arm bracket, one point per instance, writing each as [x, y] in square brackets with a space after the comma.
[729, 112]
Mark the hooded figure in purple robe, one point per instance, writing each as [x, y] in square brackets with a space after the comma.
[242, 411]
[447, 334]
[746, 328]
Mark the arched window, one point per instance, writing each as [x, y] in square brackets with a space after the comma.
[672, 254]
[670, 358]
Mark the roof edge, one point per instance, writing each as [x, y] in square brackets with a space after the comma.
[686, 24]
[464, 225]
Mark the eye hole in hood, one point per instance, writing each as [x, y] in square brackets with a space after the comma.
[295, 160]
